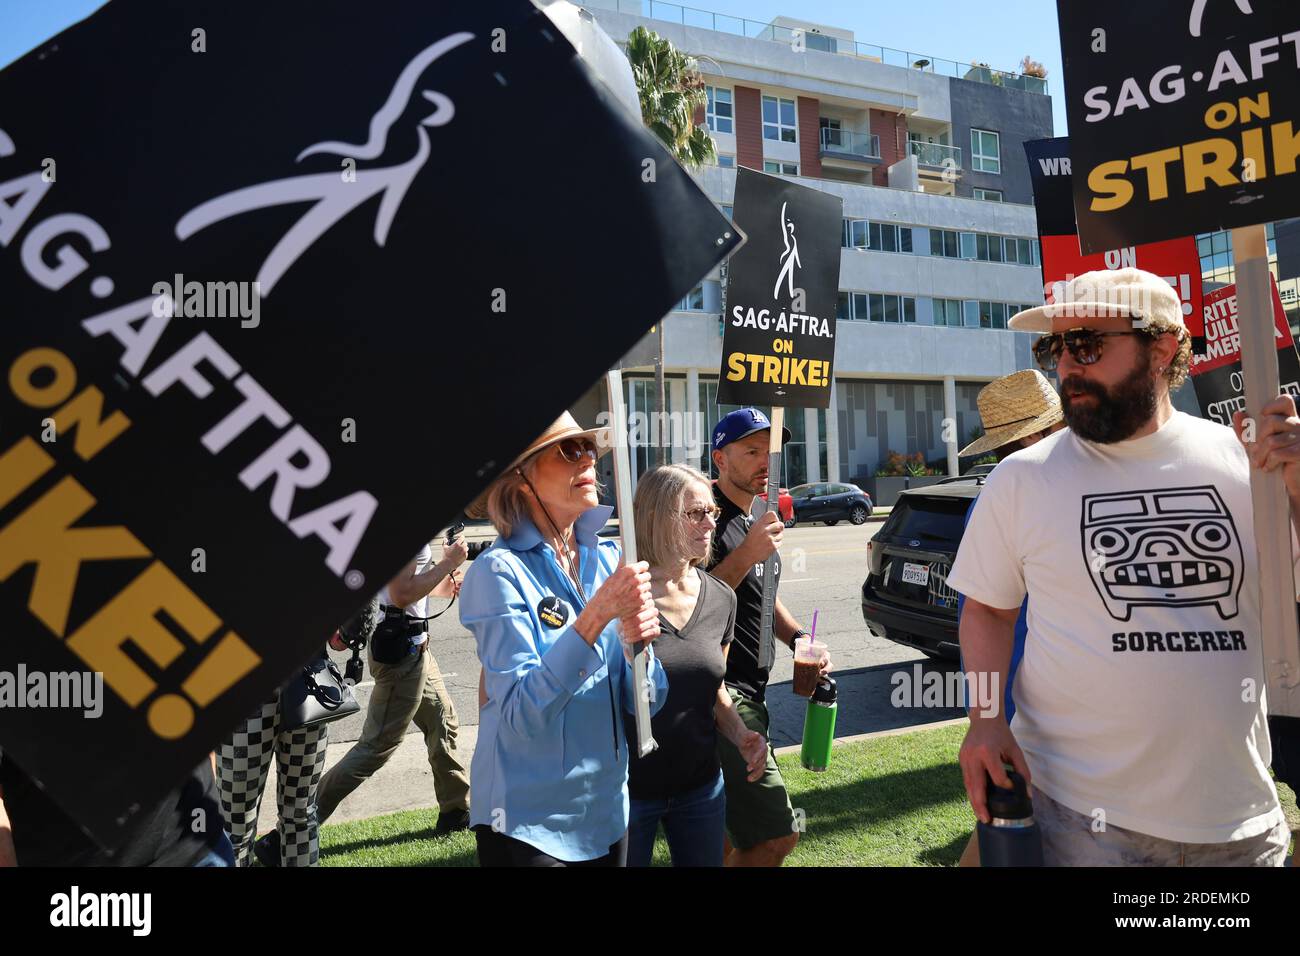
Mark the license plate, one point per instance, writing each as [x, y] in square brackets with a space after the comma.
[916, 573]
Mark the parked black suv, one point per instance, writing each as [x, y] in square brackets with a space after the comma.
[906, 598]
[830, 502]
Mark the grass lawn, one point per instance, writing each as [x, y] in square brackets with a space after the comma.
[890, 801]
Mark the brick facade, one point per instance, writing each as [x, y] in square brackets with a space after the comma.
[809, 117]
[749, 127]
[892, 130]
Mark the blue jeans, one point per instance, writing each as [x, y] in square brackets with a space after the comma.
[221, 855]
[693, 822]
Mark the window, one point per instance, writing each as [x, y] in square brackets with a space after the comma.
[860, 311]
[947, 312]
[728, 211]
[986, 151]
[693, 301]
[995, 249]
[943, 242]
[843, 307]
[778, 119]
[891, 308]
[968, 245]
[909, 309]
[989, 195]
[877, 308]
[881, 236]
[820, 41]
[971, 314]
[781, 169]
[1024, 251]
[726, 160]
[717, 112]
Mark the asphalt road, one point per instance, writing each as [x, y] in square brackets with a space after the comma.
[823, 571]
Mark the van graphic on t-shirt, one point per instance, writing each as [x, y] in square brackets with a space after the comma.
[1175, 547]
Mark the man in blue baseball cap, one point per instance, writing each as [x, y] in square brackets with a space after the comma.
[761, 827]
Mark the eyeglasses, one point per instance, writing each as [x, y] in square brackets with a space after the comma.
[573, 450]
[697, 514]
[1084, 345]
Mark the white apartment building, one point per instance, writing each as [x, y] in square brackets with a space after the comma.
[939, 243]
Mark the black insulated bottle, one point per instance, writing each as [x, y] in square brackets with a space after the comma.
[1010, 838]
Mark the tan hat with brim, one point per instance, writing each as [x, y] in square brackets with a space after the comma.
[566, 426]
[1014, 407]
[1108, 293]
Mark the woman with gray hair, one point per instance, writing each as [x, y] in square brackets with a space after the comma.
[555, 616]
[680, 784]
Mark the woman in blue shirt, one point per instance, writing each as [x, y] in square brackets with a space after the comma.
[554, 617]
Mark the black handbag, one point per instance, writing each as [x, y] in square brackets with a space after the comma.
[316, 695]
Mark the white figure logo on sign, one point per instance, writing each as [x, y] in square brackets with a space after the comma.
[789, 257]
[334, 197]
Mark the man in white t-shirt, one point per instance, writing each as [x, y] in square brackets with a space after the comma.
[1140, 717]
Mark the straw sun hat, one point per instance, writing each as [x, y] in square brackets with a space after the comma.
[563, 427]
[1013, 407]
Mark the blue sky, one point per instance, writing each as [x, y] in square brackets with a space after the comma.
[998, 34]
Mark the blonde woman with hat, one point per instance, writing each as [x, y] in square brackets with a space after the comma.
[1016, 412]
[555, 617]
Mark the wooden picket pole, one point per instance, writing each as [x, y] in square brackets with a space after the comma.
[627, 536]
[1270, 504]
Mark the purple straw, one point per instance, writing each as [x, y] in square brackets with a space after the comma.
[813, 636]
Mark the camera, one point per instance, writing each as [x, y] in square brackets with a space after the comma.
[454, 530]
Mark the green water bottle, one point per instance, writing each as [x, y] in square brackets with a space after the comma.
[819, 727]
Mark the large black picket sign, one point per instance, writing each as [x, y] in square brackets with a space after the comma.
[1167, 100]
[776, 351]
[456, 230]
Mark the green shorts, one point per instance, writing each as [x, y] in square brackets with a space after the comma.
[758, 811]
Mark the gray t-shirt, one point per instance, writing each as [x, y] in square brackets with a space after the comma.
[687, 757]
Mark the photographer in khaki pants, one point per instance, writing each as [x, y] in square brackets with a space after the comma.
[409, 687]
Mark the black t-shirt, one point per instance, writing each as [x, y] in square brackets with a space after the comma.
[687, 757]
[161, 835]
[743, 672]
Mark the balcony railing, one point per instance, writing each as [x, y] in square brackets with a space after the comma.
[757, 30]
[866, 145]
[935, 154]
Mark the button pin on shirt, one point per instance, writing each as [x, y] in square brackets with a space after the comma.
[552, 612]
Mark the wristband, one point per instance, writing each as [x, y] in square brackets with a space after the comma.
[796, 635]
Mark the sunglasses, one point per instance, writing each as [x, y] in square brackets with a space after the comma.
[697, 515]
[1085, 345]
[573, 450]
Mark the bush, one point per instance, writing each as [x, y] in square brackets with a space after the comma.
[898, 466]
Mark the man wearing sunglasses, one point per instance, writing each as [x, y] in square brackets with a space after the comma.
[1139, 720]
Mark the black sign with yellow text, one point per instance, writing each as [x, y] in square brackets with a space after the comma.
[1184, 115]
[778, 343]
[268, 326]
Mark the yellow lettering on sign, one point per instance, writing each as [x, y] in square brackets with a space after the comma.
[43, 535]
[1108, 179]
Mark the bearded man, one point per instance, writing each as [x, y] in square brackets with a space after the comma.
[1140, 716]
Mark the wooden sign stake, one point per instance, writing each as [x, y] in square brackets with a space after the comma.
[1270, 505]
[773, 504]
[644, 690]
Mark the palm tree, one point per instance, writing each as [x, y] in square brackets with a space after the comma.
[670, 90]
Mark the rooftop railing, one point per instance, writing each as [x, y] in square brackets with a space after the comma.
[757, 30]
